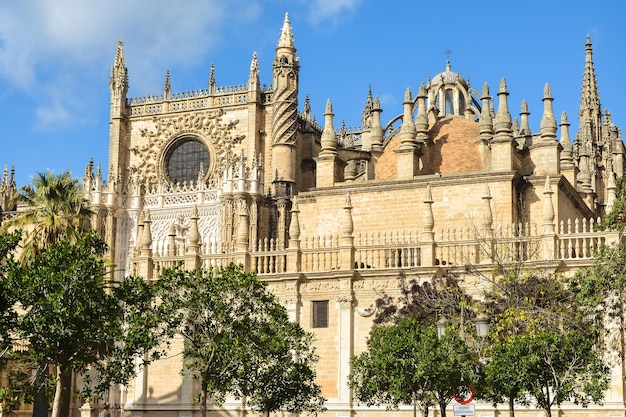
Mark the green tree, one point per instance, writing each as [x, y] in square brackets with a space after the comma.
[238, 341]
[73, 319]
[542, 343]
[280, 373]
[406, 363]
[8, 319]
[53, 208]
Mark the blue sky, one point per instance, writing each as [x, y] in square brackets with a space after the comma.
[55, 58]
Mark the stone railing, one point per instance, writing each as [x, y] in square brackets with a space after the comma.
[575, 240]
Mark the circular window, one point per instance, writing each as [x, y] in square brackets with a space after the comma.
[184, 158]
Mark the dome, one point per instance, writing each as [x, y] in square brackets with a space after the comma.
[455, 150]
[455, 147]
[448, 77]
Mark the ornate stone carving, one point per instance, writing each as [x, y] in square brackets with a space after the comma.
[367, 312]
[345, 301]
[208, 125]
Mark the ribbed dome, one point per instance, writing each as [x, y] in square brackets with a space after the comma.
[448, 77]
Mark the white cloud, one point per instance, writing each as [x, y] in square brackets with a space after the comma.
[69, 42]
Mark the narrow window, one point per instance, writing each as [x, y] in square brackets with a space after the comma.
[449, 102]
[320, 314]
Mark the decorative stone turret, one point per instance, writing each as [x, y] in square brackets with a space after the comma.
[367, 121]
[424, 141]
[376, 132]
[568, 169]
[485, 127]
[329, 166]
[503, 152]
[286, 70]
[145, 264]
[545, 154]
[118, 85]
[407, 155]
[212, 84]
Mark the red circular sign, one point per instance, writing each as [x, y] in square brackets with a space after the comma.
[464, 393]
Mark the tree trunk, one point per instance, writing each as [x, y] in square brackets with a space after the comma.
[511, 407]
[547, 408]
[58, 390]
[203, 399]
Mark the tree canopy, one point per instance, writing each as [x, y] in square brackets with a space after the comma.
[406, 363]
[72, 319]
[238, 340]
[53, 208]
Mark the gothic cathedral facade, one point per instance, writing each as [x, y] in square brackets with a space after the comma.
[329, 217]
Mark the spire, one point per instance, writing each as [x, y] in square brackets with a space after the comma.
[118, 82]
[548, 122]
[366, 120]
[407, 129]
[253, 78]
[566, 143]
[307, 107]
[376, 135]
[590, 98]
[485, 123]
[503, 120]
[286, 36]
[421, 121]
[212, 79]
[167, 89]
[525, 126]
[329, 138]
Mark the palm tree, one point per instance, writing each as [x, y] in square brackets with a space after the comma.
[52, 208]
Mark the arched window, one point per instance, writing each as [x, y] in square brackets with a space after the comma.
[184, 158]
[449, 97]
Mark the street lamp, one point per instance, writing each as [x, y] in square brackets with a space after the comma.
[441, 324]
[481, 322]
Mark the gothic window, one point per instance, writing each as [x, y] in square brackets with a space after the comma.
[184, 158]
[320, 314]
[449, 102]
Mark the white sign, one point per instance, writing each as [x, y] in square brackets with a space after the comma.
[464, 410]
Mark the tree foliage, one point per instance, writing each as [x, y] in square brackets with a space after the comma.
[73, 320]
[238, 340]
[53, 208]
[406, 363]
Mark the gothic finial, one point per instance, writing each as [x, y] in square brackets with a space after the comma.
[212, 79]
[503, 121]
[407, 96]
[307, 107]
[485, 89]
[286, 36]
[548, 122]
[329, 138]
[118, 81]
[168, 87]
[565, 141]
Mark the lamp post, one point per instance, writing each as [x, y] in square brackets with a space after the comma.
[482, 330]
[481, 322]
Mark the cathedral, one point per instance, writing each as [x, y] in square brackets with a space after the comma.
[329, 216]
